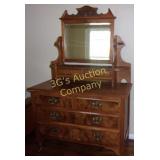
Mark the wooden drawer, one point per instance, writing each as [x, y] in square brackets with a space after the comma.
[48, 114]
[100, 106]
[81, 135]
[54, 101]
[55, 131]
[91, 136]
[93, 75]
[66, 71]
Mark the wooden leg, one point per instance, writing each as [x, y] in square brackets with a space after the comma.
[117, 151]
[40, 147]
[39, 140]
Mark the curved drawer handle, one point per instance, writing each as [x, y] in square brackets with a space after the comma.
[55, 115]
[53, 130]
[97, 119]
[98, 136]
[96, 104]
[53, 100]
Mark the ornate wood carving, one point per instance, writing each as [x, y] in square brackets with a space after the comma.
[118, 45]
[122, 68]
[58, 45]
[58, 60]
[87, 11]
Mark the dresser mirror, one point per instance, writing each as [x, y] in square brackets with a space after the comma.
[87, 37]
[87, 41]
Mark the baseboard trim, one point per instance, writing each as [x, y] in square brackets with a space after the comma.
[131, 135]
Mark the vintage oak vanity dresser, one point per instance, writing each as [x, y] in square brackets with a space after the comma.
[98, 116]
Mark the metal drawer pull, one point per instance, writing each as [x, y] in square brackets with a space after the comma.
[53, 100]
[97, 119]
[98, 136]
[55, 115]
[53, 130]
[96, 104]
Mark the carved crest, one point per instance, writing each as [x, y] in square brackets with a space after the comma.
[88, 11]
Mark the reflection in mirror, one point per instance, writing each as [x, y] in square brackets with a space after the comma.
[87, 41]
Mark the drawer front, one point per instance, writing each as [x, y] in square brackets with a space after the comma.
[94, 73]
[103, 121]
[54, 101]
[69, 71]
[54, 131]
[48, 114]
[77, 134]
[97, 105]
[105, 138]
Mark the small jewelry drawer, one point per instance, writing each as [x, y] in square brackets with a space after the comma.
[89, 72]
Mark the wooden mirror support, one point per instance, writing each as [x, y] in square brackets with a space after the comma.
[117, 69]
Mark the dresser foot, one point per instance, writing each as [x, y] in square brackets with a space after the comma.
[116, 151]
[40, 148]
[39, 140]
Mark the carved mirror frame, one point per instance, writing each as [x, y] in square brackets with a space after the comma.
[87, 14]
[119, 68]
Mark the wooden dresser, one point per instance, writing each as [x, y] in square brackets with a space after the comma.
[99, 116]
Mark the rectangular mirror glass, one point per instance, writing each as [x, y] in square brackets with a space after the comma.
[87, 41]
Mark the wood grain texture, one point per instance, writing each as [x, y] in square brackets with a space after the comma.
[62, 148]
[96, 117]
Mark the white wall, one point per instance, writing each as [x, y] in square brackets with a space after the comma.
[43, 27]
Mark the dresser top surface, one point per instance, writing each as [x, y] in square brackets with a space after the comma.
[119, 89]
